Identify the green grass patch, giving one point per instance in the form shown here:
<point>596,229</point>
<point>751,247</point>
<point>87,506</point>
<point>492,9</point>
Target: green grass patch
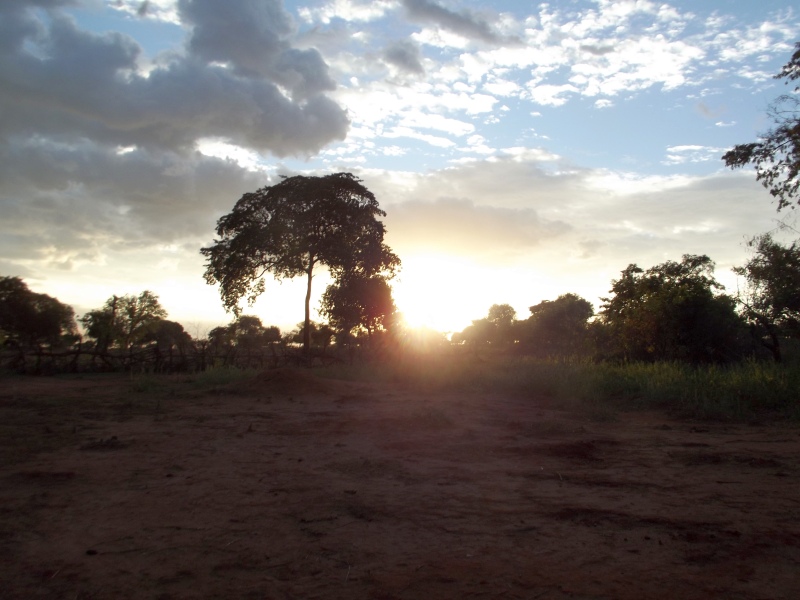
<point>740,392</point>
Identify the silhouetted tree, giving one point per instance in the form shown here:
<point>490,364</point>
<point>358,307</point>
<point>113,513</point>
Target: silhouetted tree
<point>502,318</point>
<point>169,338</point>
<point>671,312</point>
<point>319,334</point>
<point>498,327</point>
<point>291,227</point>
<point>776,156</point>
<point>559,327</point>
<point>123,320</point>
<point>771,299</point>
<point>30,319</point>
<point>358,302</point>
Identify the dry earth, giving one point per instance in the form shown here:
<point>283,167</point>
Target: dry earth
<point>288,486</point>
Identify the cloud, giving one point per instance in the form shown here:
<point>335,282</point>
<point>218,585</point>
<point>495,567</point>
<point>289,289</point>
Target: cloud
<point>59,80</point>
<point>348,10</point>
<point>405,55</point>
<point>461,227</point>
<point>573,229</point>
<point>74,202</point>
<point>464,23</point>
<point>254,37</point>
<point>677,155</point>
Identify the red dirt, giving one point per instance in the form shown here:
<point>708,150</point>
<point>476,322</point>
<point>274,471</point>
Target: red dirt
<point>287,486</point>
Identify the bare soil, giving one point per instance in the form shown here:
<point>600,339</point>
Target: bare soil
<point>289,486</point>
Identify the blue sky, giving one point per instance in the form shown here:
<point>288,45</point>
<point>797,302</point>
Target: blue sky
<point>521,150</point>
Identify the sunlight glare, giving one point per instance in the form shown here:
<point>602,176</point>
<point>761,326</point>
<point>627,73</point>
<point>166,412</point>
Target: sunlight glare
<point>442,292</point>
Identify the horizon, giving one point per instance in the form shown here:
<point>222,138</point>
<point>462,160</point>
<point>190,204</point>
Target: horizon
<point>520,153</point>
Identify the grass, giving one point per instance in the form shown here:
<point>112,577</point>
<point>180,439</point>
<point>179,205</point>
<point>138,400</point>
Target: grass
<point>742,392</point>
<point>210,380</point>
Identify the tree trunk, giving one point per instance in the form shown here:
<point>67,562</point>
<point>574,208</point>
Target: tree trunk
<point>307,322</point>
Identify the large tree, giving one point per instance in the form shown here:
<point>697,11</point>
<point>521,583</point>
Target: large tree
<point>776,156</point>
<point>29,319</point>
<point>289,228</point>
<point>672,311</point>
<point>771,297</point>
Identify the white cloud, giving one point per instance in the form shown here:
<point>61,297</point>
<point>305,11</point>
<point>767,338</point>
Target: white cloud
<point>677,155</point>
<point>408,132</point>
<point>421,120</point>
<point>348,10</point>
<point>551,95</point>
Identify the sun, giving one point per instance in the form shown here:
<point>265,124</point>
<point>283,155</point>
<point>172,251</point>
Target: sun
<point>439,292</point>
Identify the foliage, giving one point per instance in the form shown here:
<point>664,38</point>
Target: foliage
<point>319,334</point>
<point>123,321</point>
<point>166,335</point>
<point>498,327</point>
<point>288,228</point>
<point>558,327</point>
<point>771,299</point>
<point>359,302</point>
<point>671,312</point>
<point>776,156</point>
<point>242,341</point>
<point>29,319</point>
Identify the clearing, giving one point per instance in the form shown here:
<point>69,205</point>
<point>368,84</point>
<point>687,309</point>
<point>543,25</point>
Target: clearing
<point>291,486</point>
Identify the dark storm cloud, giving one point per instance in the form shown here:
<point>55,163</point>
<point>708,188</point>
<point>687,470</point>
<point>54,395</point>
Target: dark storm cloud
<point>405,55</point>
<point>462,23</point>
<point>59,80</point>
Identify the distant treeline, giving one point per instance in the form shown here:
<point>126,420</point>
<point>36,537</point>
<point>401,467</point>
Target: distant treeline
<point>674,311</point>
<point>40,335</point>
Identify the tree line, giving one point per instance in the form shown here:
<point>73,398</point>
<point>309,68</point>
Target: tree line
<point>40,334</point>
<point>674,311</point>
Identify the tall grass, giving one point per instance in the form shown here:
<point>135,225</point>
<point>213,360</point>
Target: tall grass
<point>740,392</point>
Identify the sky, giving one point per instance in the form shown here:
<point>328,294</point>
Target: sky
<point>521,150</point>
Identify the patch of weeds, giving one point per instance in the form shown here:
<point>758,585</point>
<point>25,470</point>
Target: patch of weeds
<point>214,378</point>
<point>147,383</point>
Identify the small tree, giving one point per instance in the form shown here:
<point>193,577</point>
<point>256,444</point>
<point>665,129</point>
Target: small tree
<point>123,321</point>
<point>358,302</point>
<point>319,335</point>
<point>559,327</point>
<point>290,228</point>
<point>502,318</point>
<point>776,156</point>
<point>168,337</point>
<point>771,299</point>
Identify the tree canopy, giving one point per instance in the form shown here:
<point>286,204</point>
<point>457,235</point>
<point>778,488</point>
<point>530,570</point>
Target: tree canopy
<point>672,311</point>
<point>28,318</point>
<point>123,321</point>
<point>558,327</point>
<point>776,156</point>
<point>358,302</point>
<point>289,228</point>
<point>771,298</point>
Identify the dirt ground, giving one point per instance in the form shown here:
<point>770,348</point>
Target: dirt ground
<point>289,486</point>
